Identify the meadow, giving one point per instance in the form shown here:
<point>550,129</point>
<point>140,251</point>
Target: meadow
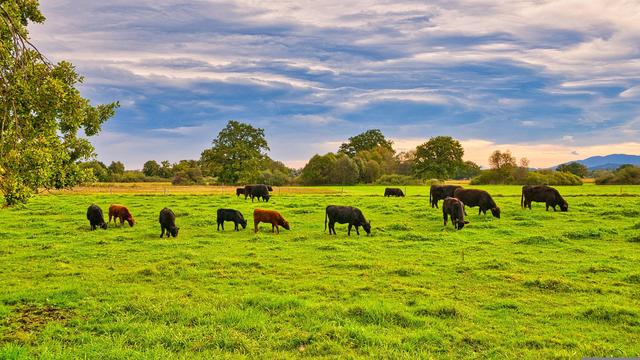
<point>533,284</point>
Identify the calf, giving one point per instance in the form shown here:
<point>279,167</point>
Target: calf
<point>542,193</point>
<point>440,192</point>
<point>479,198</point>
<point>454,208</point>
<point>95,217</point>
<point>345,215</point>
<point>230,215</point>
<point>122,213</point>
<point>269,216</point>
<point>260,191</point>
<point>239,191</point>
<point>168,222</point>
<point>393,192</point>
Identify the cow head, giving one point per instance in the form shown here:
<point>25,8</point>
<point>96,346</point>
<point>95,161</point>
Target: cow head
<point>130,220</point>
<point>104,225</point>
<point>496,212</point>
<point>174,231</point>
<point>243,223</point>
<point>285,224</point>
<point>266,198</point>
<point>564,206</point>
<point>367,227</point>
<point>461,224</point>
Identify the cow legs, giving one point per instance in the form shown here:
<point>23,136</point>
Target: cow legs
<point>255,226</point>
<point>349,230</point>
<point>357,231</point>
<point>162,233</point>
<point>235,226</point>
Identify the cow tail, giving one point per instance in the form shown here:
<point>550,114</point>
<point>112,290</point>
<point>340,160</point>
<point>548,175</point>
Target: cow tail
<point>430,203</point>
<point>522,198</point>
<point>325,221</point>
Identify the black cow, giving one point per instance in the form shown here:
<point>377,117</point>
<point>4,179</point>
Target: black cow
<point>230,215</point>
<point>95,217</point>
<point>167,221</point>
<point>479,198</point>
<point>260,192</point>
<point>542,193</point>
<point>247,191</point>
<point>269,188</point>
<point>454,208</point>
<point>345,215</point>
<point>440,192</point>
<point>393,192</point>
<point>239,191</point>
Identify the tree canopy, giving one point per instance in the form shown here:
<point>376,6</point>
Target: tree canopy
<point>368,140</point>
<point>237,153</point>
<point>575,168</point>
<point>41,112</point>
<point>438,158</point>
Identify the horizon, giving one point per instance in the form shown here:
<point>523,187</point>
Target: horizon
<point>553,82</point>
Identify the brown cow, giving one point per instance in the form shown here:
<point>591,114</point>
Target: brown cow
<point>269,216</point>
<point>120,212</point>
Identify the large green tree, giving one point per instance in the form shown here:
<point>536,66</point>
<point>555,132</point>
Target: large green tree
<point>237,153</point>
<point>575,168</point>
<point>151,168</point>
<point>368,140</point>
<point>438,158</point>
<point>41,112</point>
<point>318,170</point>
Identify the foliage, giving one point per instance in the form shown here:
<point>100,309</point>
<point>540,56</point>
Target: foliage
<point>624,175</point>
<point>575,168</point>
<point>318,170</point>
<point>467,170</point>
<point>344,171</point>
<point>152,168</point>
<point>116,168</point>
<point>440,157</point>
<point>41,112</point>
<point>368,140</point>
<point>396,179</point>
<point>236,154</point>
<point>541,177</point>
<point>188,176</point>
<point>99,170</point>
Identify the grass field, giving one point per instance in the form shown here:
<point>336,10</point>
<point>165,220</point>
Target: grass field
<point>532,284</point>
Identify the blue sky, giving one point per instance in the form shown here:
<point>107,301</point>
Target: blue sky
<point>551,81</point>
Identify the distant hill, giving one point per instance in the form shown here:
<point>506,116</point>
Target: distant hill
<point>607,162</point>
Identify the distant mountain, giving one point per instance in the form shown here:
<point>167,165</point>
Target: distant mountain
<point>607,162</point>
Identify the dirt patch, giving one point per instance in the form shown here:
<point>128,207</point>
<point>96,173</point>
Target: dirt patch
<point>27,320</point>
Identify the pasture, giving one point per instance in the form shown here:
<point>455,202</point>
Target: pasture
<point>532,284</point>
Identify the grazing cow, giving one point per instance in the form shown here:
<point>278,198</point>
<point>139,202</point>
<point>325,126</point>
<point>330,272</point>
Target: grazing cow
<point>440,192</point>
<point>239,191</point>
<point>454,208</point>
<point>230,215</point>
<point>95,217</point>
<point>393,192</point>
<point>479,198</point>
<point>345,215</point>
<point>168,222</point>
<point>122,213</point>
<point>260,191</point>
<point>542,193</point>
<point>269,216</point>
<point>247,191</point>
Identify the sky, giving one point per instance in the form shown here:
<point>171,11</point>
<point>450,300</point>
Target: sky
<point>552,81</point>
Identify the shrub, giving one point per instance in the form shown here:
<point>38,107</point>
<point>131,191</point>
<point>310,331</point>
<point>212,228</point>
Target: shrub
<point>546,177</point>
<point>395,179</point>
<point>624,175</point>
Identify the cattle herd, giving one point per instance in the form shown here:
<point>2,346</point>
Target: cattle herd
<point>454,197</point>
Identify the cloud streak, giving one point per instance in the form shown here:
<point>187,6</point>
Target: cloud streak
<point>521,74</point>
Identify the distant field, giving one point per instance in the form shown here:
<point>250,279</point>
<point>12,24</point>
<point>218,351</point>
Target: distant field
<point>533,284</point>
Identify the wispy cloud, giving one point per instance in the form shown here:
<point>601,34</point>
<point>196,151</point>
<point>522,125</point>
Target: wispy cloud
<point>310,73</point>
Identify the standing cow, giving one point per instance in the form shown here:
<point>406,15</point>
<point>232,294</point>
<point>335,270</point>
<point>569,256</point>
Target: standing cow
<point>479,198</point>
<point>167,221</point>
<point>122,213</point>
<point>454,208</point>
<point>260,192</point>
<point>393,192</point>
<point>230,215</point>
<point>239,191</point>
<point>95,217</point>
<point>269,216</point>
<point>440,192</point>
<point>345,215</point>
<point>542,193</point>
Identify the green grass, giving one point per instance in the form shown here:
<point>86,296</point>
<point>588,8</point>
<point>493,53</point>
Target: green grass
<point>533,284</point>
